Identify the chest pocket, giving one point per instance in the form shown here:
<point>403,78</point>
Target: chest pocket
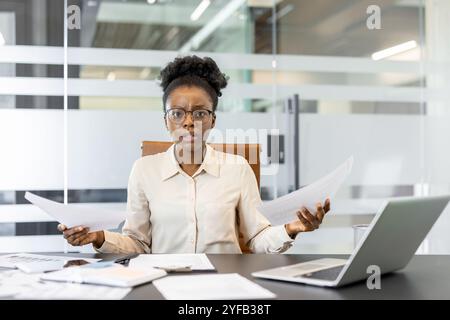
<point>219,222</point>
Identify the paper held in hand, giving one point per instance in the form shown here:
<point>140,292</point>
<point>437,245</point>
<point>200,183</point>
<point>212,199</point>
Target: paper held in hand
<point>75,215</point>
<point>283,210</point>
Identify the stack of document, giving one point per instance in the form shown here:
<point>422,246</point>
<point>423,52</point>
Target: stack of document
<point>283,210</point>
<point>73,291</point>
<point>112,275</point>
<point>19,285</point>
<point>31,263</point>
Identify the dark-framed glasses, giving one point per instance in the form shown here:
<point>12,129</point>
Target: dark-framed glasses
<point>178,115</point>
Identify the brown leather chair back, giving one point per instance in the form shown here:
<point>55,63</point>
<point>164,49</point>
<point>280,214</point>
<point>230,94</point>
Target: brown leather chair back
<point>248,151</point>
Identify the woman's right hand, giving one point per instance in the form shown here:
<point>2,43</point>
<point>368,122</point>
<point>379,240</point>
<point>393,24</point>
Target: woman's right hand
<point>80,236</point>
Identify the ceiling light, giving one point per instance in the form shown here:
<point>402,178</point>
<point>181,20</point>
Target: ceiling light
<point>212,25</point>
<point>281,13</point>
<point>200,9</point>
<point>389,52</point>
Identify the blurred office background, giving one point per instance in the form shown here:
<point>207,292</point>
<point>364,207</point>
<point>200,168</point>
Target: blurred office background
<point>75,105</point>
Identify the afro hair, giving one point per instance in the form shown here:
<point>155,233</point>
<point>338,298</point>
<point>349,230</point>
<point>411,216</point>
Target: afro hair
<point>193,71</point>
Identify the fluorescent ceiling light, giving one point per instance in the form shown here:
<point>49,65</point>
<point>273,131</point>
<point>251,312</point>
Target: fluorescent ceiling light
<point>2,40</point>
<point>389,52</point>
<point>151,1</point>
<point>410,3</point>
<point>212,25</point>
<point>280,14</point>
<point>200,9</point>
<point>262,3</point>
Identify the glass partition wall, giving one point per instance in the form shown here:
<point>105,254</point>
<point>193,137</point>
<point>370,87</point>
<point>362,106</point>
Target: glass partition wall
<point>31,121</point>
<point>312,82</point>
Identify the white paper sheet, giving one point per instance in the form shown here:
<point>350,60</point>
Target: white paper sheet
<point>226,286</point>
<point>194,261</point>
<point>10,260</point>
<point>283,210</point>
<point>73,291</point>
<point>18,285</point>
<point>72,215</point>
<point>12,282</point>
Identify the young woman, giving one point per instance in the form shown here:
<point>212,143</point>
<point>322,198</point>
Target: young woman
<point>192,198</point>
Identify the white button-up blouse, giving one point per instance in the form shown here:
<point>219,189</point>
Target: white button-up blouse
<point>169,211</point>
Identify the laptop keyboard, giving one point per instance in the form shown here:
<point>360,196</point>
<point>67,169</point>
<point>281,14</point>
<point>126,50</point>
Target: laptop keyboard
<point>330,274</point>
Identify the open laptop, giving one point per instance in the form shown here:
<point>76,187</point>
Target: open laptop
<point>390,242</point>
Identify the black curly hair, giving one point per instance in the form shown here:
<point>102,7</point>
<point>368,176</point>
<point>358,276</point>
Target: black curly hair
<point>193,71</point>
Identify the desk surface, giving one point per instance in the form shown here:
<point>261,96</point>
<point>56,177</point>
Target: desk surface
<point>425,277</point>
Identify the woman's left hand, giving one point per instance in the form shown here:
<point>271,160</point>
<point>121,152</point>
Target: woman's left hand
<point>306,220</point>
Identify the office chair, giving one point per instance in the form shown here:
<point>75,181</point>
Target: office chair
<point>248,151</point>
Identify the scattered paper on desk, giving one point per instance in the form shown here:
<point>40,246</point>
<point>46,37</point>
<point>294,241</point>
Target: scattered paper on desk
<point>226,286</point>
<point>283,210</point>
<point>74,215</point>
<point>12,282</point>
<point>73,291</point>
<point>10,260</point>
<point>109,274</point>
<point>18,285</point>
<point>194,261</point>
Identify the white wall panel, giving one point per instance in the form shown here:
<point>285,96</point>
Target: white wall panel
<point>386,148</point>
<point>437,148</point>
<point>102,145</point>
<point>31,148</point>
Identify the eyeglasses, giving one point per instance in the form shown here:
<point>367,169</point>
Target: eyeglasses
<point>178,115</point>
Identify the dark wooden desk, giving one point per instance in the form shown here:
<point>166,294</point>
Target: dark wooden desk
<point>426,277</point>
